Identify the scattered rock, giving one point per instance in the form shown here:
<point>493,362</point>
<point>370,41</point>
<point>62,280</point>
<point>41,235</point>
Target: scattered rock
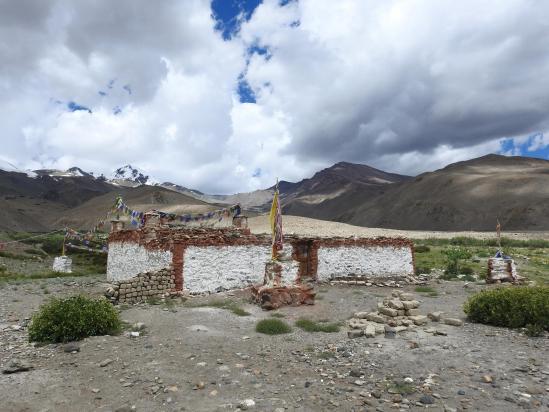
<point>453,321</point>
<point>356,373</point>
<point>435,316</point>
<point>427,399</point>
<point>199,385</point>
<point>419,320</point>
<point>370,331</point>
<point>71,347</point>
<point>16,365</point>
<point>246,404</point>
<point>105,362</point>
<point>355,333</point>
<point>487,379</point>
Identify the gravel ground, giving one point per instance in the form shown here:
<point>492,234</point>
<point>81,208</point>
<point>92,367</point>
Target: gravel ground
<point>312,227</point>
<point>209,359</point>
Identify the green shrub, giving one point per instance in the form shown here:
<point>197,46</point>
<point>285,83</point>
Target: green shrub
<point>453,257</point>
<point>422,249</point>
<point>512,307</point>
<point>272,327</point>
<point>311,326</point>
<point>73,318</point>
<point>466,270</point>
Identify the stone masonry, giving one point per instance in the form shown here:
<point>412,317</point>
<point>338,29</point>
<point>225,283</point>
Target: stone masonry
<point>142,287</point>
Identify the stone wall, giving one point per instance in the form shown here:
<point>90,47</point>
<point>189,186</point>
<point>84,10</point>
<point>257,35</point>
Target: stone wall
<point>143,286</point>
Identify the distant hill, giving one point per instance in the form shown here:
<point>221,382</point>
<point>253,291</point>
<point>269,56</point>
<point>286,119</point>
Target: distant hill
<point>333,191</point>
<point>467,195</point>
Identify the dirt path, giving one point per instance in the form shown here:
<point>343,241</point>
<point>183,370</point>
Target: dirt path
<point>208,359</point>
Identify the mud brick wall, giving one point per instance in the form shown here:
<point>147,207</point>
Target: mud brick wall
<point>212,260</point>
<point>144,286</point>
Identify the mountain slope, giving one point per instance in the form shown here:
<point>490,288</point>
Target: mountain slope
<point>332,191</point>
<point>467,195</point>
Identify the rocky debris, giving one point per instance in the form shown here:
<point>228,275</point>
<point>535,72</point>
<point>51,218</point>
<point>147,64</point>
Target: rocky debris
<point>105,362</point>
<point>453,321</point>
<point>16,365</point>
<point>270,298</point>
<point>395,314</point>
<point>246,404</point>
<point>435,316</point>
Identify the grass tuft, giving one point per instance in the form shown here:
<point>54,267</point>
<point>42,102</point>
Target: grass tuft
<point>311,326</point>
<point>272,327</point>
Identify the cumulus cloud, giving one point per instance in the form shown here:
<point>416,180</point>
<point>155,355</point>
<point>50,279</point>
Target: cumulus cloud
<point>403,86</point>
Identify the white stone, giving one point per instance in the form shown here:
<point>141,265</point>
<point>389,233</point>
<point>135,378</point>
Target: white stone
<point>371,261</point>
<point>62,264</point>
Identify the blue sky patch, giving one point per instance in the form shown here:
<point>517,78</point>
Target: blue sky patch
<point>245,92</point>
<point>257,172</point>
<point>229,14</point>
<point>535,145</point>
<point>75,107</point>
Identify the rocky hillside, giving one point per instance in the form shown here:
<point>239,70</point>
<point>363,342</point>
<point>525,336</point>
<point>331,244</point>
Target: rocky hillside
<point>467,195</point>
<point>333,191</point>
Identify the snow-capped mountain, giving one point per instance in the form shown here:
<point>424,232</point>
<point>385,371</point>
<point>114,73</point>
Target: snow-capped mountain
<point>72,172</point>
<point>130,176</point>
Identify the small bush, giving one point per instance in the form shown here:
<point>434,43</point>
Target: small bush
<point>512,307</point>
<point>454,256</point>
<point>277,315</point>
<point>311,326</point>
<point>272,327</point>
<point>73,318</point>
<point>422,249</point>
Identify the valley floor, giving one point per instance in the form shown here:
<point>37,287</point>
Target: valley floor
<point>193,356</point>
<point>304,226</point>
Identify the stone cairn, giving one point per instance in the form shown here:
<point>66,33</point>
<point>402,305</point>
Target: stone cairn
<point>142,287</point>
<point>395,314</point>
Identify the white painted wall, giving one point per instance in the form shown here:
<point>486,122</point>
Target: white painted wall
<point>372,261</point>
<point>217,268</point>
<point>127,259</point>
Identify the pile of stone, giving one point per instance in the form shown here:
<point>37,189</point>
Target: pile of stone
<point>142,287</point>
<point>397,313</point>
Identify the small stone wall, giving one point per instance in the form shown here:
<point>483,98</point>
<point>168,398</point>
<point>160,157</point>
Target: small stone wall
<point>142,287</point>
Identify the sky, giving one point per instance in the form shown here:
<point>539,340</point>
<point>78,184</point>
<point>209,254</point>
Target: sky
<point>225,96</point>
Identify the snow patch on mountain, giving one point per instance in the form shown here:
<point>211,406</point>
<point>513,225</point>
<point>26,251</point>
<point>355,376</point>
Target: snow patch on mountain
<point>132,175</point>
